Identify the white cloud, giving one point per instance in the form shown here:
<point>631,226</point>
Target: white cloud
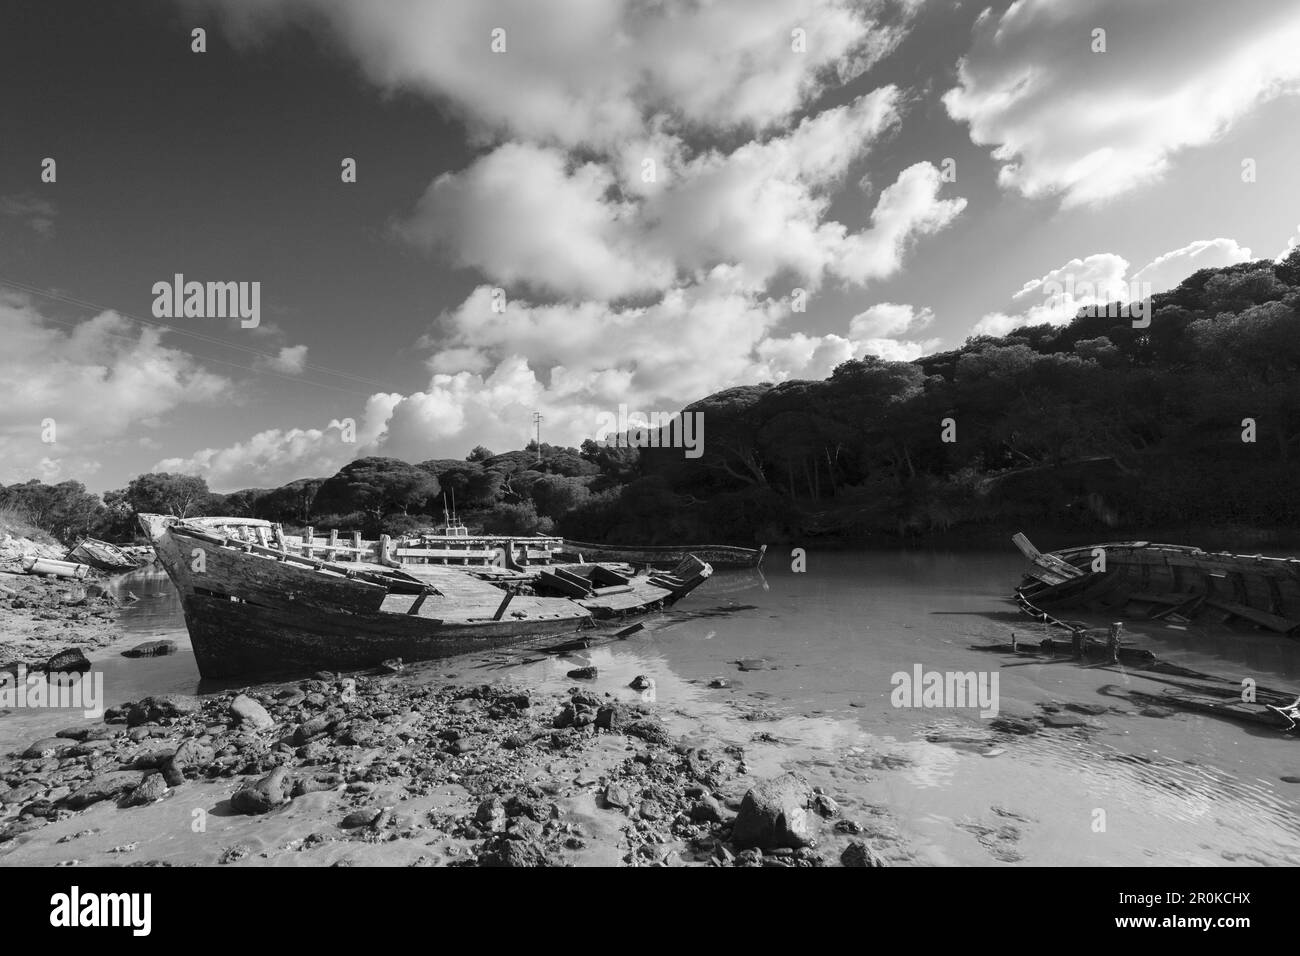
<point>1167,271</point>
<point>1055,298</point>
<point>524,214</point>
<point>1177,74</point>
<point>290,360</point>
<point>598,72</point>
<point>94,381</point>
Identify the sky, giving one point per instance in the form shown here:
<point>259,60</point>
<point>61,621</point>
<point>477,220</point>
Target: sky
<point>568,207</point>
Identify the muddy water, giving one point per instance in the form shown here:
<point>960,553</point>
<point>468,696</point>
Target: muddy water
<point>821,647</point>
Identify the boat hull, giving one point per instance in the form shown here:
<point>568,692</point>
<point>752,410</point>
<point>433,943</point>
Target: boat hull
<point>1175,583</point>
<point>232,638</point>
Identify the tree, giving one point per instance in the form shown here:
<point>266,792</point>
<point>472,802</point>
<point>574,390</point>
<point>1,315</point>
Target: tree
<point>480,453</point>
<point>65,510</point>
<point>164,493</point>
<point>377,487</point>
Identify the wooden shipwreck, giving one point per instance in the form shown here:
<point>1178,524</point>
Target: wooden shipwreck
<point>102,556</point>
<point>254,603</point>
<point>1172,583</point>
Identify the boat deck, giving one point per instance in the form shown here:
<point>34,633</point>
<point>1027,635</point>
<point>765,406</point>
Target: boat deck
<point>464,597</point>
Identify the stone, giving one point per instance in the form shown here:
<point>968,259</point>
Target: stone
<point>775,814</point>
<point>249,713</point>
<point>106,786</point>
<point>490,815</point>
<point>152,789</point>
<point>360,818</point>
<point>151,649</point>
<point>583,673</point>
<point>265,795</point>
<point>825,806</point>
<point>617,796</point>
<point>47,747</point>
<point>152,709</point>
<point>858,853</point>
<point>71,661</point>
<point>641,682</point>
<point>707,810</point>
<point>650,730</point>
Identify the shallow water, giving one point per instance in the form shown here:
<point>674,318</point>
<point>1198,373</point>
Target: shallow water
<point>1133,789</point>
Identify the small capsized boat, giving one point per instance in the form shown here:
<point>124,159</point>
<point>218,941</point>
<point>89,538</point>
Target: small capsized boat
<point>1172,583</point>
<point>666,558</point>
<point>253,604</point>
<point>102,556</point>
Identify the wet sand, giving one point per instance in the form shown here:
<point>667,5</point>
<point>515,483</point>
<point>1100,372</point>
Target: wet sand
<point>918,785</point>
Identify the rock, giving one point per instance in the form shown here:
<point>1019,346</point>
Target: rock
<point>71,661</point>
<point>503,851</point>
<point>490,815</point>
<point>858,853</point>
<point>719,683</point>
<point>152,789</point>
<point>775,814</point>
<point>249,713</point>
<point>360,818</point>
<point>153,709</point>
<point>1014,725</point>
<point>641,682</point>
<point>310,729</point>
<point>317,782</point>
<point>617,796</point>
<point>104,787</point>
<point>47,747</point>
<point>190,760</point>
<point>650,730</point>
<point>264,795</point>
<point>151,649</point>
<point>649,810</point>
<point>825,806</point>
<point>614,717</point>
<point>583,673</point>
<point>752,664</point>
<point>707,810</point>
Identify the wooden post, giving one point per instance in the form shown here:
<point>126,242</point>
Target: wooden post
<point>277,534</point>
<point>382,550</point>
<point>1113,640</point>
<point>356,545</point>
<point>1013,642</point>
<point>1076,643</point>
<point>332,554</point>
<point>262,538</point>
<point>308,541</point>
<point>505,603</point>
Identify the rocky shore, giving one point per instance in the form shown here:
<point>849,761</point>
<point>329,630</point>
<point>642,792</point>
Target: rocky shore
<point>388,770</point>
<point>49,618</point>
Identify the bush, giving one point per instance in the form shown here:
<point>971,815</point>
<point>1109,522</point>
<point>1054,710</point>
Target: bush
<point>518,519</point>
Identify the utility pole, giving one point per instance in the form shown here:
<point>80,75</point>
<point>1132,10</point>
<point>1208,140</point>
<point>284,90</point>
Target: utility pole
<point>537,421</point>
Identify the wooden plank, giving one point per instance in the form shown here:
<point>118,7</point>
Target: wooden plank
<point>1270,621</point>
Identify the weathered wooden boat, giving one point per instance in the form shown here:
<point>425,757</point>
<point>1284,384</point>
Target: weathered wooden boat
<point>450,544</point>
<point>717,555</point>
<point>1171,583</point>
<point>102,556</point>
<point>257,607</point>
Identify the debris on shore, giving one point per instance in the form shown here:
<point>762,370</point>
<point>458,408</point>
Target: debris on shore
<point>534,780</point>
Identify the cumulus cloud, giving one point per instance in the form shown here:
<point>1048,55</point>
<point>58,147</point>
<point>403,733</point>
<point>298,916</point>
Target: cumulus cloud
<point>1168,270</point>
<point>595,73</point>
<point>1176,74</point>
<point>93,381</point>
<point>290,360</point>
<point>524,214</point>
<point>1103,278</point>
